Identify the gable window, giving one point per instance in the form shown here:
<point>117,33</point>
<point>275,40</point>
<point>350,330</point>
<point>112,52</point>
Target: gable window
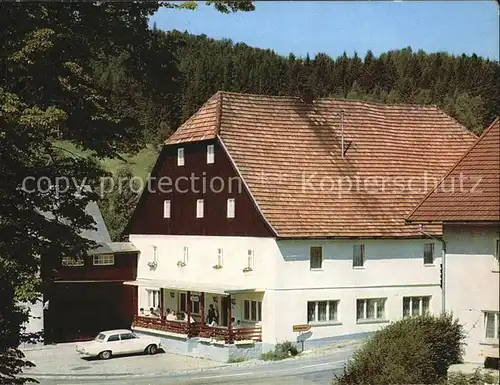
<point>358,255</point>
<point>322,311</point>
<point>186,254</point>
<point>230,208</point>
<point>166,209</point>
<point>220,257</point>
<point>71,262</point>
<point>428,253</point>
<point>250,259</point>
<point>316,257</point>
<point>199,208</point>
<point>195,305</point>
<point>252,310</point>
<point>104,260</point>
<point>153,298</point>
<point>180,156</point>
<point>370,309</point>
<point>415,306</point>
<point>210,154</point>
<point>491,325</point>
<point>496,261</point>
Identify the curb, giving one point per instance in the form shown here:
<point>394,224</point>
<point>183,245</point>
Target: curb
<point>117,376</point>
<point>121,376</point>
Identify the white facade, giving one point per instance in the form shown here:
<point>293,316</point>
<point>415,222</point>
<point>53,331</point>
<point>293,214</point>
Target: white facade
<point>284,282</point>
<point>472,284</point>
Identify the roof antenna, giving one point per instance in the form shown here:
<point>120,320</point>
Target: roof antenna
<point>342,130</point>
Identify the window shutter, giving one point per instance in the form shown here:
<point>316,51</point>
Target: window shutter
<point>166,208</point>
<point>230,208</point>
<point>180,156</point>
<point>210,154</point>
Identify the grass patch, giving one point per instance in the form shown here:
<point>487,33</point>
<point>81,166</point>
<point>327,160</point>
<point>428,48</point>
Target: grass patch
<point>140,163</point>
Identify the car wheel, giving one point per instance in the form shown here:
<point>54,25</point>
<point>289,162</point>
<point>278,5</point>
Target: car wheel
<point>105,355</point>
<point>152,349</point>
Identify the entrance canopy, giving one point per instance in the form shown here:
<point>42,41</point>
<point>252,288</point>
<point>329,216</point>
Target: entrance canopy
<point>191,286</point>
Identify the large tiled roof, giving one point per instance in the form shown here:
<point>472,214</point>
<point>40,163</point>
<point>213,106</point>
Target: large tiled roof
<point>289,154</point>
<point>471,189</point>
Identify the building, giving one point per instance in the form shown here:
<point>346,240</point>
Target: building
<point>81,297</point>
<point>282,212</point>
<point>467,202</point>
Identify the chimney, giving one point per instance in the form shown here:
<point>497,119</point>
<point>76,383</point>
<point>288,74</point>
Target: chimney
<point>307,97</point>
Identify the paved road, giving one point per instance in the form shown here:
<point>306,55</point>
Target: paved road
<point>305,370</point>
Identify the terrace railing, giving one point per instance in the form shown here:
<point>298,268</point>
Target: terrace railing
<point>219,333</point>
<point>222,333</point>
<point>179,327</point>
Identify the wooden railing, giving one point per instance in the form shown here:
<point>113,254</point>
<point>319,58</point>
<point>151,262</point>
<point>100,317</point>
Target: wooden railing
<point>179,327</point>
<point>219,333</point>
<point>238,334</point>
<point>254,334</point>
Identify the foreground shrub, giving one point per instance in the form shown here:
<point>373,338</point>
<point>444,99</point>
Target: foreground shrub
<point>281,351</point>
<point>479,377</point>
<point>416,350</point>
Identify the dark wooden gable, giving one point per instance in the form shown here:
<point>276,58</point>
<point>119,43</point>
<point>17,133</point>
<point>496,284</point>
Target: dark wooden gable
<point>183,185</point>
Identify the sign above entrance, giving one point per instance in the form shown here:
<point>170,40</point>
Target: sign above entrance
<point>301,328</point>
<point>195,298</point>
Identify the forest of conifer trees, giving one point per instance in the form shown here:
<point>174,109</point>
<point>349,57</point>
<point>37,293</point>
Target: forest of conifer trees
<point>181,71</point>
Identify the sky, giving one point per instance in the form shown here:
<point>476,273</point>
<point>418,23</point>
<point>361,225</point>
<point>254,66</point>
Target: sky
<point>333,27</point>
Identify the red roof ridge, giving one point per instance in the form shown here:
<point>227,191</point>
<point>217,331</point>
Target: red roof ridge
<point>331,98</point>
<point>485,132</point>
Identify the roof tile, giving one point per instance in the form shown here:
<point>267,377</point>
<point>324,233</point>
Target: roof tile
<point>470,191</point>
<point>289,154</point>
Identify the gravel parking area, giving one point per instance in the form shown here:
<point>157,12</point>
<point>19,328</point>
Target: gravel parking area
<point>62,359</point>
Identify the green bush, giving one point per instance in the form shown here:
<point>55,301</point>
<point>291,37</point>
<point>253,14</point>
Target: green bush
<point>410,351</point>
<point>477,378</point>
<point>234,360</point>
<point>281,351</point>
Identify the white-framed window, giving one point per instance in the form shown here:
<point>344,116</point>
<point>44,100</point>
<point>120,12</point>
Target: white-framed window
<point>186,254</point>
<point>252,310</point>
<point>491,325</point>
<point>230,208</point>
<point>104,259</point>
<point>496,260</point>
<point>199,208</point>
<point>153,298</point>
<point>166,208</point>
<point>210,154</point>
<point>315,257</point>
<point>220,256</point>
<point>415,306</point>
<point>370,309</point>
<point>358,255</point>
<point>428,253</point>
<point>250,259</point>
<point>322,311</point>
<point>180,156</point>
<point>195,305</point>
<point>71,262</point>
